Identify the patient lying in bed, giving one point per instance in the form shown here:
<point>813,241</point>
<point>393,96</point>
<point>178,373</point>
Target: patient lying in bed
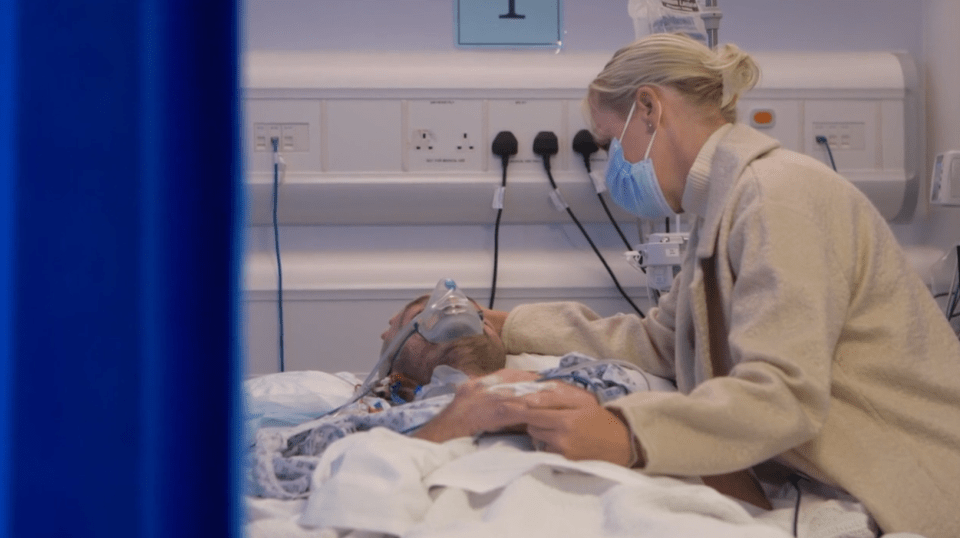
<point>422,382</point>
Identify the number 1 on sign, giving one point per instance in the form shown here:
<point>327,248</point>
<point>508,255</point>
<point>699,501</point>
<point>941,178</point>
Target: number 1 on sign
<point>513,12</point>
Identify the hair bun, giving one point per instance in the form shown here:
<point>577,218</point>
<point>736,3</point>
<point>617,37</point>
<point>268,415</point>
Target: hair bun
<point>738,70</point>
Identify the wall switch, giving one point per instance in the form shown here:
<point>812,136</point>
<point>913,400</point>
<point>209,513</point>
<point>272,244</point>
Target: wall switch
<point>842,135</point>
<point>852,127</point>
<point>294,123</point>
<point>291,137</point>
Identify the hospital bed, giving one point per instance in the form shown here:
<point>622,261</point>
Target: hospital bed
<point>383,483</point>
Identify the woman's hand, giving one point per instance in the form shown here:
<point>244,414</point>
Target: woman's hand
<point>496,319</point>
<point>477,409</point>
<point>560,418</point>
<point>568,420</point>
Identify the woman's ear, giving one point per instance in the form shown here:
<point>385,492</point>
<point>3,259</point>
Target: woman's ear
<point>647,104</point>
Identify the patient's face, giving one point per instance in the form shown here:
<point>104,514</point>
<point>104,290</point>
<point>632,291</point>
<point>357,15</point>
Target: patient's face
<point>416,345</point>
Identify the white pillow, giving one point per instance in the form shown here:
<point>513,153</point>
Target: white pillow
<point>291,398</point>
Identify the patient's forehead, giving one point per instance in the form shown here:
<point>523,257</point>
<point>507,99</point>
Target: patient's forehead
<point>411,312</point>
<point>401,318</point>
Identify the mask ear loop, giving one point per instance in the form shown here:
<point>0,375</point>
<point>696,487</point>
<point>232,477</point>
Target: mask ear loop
<point>633,108</point>
<point>652,138</point>
<point>650,145</point>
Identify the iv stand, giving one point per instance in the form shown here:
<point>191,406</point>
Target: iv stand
<point>711,15</point>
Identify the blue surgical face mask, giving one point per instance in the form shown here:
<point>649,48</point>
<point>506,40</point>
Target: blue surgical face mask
<point>634,186</point>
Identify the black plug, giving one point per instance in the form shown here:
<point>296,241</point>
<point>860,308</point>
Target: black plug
<point>546,144</point>
<point>505,145</point>
<point>585,145</point>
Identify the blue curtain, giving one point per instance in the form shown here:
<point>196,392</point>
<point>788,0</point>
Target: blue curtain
<point>120,267</point>
<point>7,174</point>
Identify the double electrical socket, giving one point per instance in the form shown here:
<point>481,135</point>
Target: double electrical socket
<point>443,134</point>
<point>456,134</point>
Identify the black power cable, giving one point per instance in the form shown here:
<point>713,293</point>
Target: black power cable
<point>795,479</point>
<point>585,145</point>
<point>546,145</point>
<point>504,146</point>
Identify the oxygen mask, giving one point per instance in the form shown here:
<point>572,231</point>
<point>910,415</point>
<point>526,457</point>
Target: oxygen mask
<point>447,315</point>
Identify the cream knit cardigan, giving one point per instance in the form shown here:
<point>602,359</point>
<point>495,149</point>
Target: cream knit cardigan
<point>796,331</point>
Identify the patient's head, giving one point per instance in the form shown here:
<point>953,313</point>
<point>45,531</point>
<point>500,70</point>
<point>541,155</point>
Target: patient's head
<point>473,355</point>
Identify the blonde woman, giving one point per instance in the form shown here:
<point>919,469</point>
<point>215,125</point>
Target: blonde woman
<point>796,331</point>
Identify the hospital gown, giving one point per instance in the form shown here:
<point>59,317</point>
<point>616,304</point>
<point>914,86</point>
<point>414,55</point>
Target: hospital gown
<point>284,459</point>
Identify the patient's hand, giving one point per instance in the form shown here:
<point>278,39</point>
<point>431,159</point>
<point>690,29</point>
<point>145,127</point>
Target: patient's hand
<point>562,419</point>
<point>479,407</point>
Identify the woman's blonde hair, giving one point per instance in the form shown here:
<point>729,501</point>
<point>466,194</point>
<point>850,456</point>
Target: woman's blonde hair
<point>712,79</point>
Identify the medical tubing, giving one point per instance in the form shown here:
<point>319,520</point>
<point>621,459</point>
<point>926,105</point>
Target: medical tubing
<point>275,142</point>
<point>584,144</point>
<point>367,386</point>
<point>504,146</point>
<point>545,145</point>
<point>826,143</point>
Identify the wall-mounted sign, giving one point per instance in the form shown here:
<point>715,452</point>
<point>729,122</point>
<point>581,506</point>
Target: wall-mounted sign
<point>507,23</point>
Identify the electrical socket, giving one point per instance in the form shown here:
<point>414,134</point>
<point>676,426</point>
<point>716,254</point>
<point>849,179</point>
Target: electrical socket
<point>525,118</point>
<point>465,144</point>
<point>422,140</point>
<point>442,134</point>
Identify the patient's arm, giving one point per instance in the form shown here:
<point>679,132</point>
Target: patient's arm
<point>566,419</point>
<point>475,409</point>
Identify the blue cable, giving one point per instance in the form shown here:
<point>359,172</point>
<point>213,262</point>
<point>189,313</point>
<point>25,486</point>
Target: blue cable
<point>276,242</point>
<point>826,143</point>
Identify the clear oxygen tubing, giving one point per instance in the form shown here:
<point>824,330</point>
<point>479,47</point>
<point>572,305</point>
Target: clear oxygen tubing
<point>447,315</point>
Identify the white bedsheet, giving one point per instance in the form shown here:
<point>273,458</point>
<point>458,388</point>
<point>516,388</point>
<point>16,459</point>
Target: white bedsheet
<point>380,483</point>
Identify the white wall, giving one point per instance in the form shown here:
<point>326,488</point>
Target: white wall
<point>923,28</point>
<point>598,25</point>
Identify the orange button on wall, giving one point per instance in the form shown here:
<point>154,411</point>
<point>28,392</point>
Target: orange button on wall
<point>762,118</point>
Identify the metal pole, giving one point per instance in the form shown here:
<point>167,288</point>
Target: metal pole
<point>711,20</point>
